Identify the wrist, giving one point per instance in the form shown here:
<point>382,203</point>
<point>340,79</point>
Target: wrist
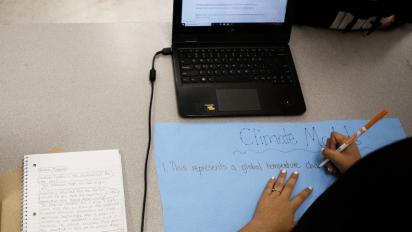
<point>251,226</point>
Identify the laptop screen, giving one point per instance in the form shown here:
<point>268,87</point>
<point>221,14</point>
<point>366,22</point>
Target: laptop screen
<point>204,13</point>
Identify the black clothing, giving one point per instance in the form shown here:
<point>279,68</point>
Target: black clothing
<point>373,195</point>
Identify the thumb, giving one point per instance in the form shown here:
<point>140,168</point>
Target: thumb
<point>333,156</point>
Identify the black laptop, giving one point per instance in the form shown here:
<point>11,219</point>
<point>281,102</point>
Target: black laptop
<point>232,58</point>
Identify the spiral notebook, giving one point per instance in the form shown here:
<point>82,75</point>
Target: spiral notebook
<point>76,191</point>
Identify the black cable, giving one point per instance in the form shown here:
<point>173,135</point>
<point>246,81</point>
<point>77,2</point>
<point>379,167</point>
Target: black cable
<point>152,79</point>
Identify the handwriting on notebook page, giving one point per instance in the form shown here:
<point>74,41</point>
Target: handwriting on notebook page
<point>78,200</point>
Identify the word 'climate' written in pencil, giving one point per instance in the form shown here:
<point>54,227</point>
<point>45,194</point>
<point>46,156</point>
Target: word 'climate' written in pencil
<point>256,137</point>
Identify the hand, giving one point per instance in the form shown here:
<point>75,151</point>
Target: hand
<point>341,161</point>
<point>275,210</point>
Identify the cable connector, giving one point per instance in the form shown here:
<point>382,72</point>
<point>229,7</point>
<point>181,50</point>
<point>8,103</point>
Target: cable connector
<point>167,51</point>
<point>152,74</point>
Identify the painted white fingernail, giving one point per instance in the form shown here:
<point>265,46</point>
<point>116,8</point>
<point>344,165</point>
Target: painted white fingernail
<point>322,149</point>
<point>272,178</point>
<point>283,171</point>
<point>296,172</point>
<point>310,188</point>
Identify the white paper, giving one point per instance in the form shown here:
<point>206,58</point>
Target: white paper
<point>78,191</point>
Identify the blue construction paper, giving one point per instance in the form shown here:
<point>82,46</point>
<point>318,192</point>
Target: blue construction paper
<point>211,175</point>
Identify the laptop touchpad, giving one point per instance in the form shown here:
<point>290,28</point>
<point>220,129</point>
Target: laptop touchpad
<point>238,99</point>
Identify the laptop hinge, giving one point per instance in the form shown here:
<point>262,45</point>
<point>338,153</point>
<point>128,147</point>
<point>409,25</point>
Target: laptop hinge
<point>192,42</point>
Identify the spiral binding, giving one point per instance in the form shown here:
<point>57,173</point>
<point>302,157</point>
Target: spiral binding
<point>24,195</point>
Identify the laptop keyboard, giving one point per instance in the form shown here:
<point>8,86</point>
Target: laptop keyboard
<point>208,65</point>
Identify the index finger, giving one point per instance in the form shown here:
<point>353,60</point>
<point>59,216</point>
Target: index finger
<point>336,139</point>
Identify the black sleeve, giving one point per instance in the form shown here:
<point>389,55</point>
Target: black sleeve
<point>373,195</point>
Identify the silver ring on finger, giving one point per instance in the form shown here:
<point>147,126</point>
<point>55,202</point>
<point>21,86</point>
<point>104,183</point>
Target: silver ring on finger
<point>277,188</point>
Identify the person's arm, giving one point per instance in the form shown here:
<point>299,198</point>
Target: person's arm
<point>340,161</point>
<point>275,210</point>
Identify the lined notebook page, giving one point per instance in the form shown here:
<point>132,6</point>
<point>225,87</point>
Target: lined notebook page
<point>77,191</point>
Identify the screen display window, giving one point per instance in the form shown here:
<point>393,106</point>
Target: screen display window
<point>230,12</point>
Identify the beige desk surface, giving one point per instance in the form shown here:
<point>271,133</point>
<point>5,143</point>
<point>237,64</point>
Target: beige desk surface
<point>85,87</point>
